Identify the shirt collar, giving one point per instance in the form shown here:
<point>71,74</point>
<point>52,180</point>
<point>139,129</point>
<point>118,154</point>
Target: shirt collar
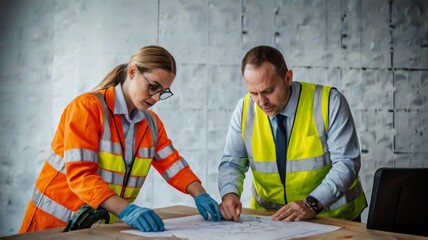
<point>290,109</point>
<point>121,108</point>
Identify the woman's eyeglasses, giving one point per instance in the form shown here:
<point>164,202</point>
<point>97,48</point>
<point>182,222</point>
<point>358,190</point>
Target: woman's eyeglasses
<point>156,88</point>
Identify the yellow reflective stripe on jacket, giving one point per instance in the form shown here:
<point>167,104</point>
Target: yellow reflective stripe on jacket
<point>111,162</point>
<point>130,193</point>
<point>141,166</point>
<point>50,206</point>
<point>114,162</point>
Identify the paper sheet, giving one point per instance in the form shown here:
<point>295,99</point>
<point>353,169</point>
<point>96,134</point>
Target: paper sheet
<point>250,227</point>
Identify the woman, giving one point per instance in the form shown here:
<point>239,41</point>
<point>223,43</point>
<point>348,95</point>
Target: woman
<point>104,146</point>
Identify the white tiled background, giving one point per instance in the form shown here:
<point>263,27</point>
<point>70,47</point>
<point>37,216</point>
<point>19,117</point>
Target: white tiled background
<point>375,52</point>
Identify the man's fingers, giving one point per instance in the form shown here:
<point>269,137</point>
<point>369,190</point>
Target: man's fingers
<point>229,212</point>
<point>225,212</point>
<point>238,213</point>
<point>281,213</point>
<point>293,212</point>
<point>233,212</point>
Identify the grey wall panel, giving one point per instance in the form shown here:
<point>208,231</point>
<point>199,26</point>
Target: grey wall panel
<point>374,52</point>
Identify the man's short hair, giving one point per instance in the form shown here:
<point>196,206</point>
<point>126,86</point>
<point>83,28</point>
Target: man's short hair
<point>260,54</point>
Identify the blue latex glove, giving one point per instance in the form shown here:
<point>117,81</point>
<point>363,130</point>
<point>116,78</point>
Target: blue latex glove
<point>145,219</point>
<point>205,203</point>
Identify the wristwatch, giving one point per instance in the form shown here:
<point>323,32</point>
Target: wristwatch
<point>313,203</point>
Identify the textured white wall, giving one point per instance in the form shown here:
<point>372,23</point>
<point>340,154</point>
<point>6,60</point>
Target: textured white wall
<point>375,52</point>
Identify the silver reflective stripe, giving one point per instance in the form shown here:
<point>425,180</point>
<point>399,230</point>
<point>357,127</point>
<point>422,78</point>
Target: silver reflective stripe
<point>111,177</point>
<point>319,120</point>
<point>117,178</point>
<point>75,155</point>
<point>50,206</point>
<point>307,164</point>
<point>249,124</point>
<point>56,161</point>
<point>153,126</point>
<point>349,196</point>
<point>107,133</point>
<point>136,182</point>
<point>164,153</point>
<point>264,167</point>
<point>174,169</point>
<point>110,147</point>
<point>129,144</point>
<point>106,145</point>
<point>265,204</point>
<point>147,152</point>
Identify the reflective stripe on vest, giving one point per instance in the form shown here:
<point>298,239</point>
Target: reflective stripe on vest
<point>112,167</point>
<point>308,160</point>
<point>295,166</point>
<point>153,127</point>
<point>50,206</point>
<point>109,146</point>
<point>117,178</point>
<point>353,193</point>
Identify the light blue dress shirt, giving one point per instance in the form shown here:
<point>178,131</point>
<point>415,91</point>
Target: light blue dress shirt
<point>342,144</point>
<point>128,121</point>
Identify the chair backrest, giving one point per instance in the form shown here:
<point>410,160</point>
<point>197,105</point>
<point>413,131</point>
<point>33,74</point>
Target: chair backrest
<point>399,201</point>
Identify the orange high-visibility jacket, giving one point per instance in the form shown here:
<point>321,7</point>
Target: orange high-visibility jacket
<point>87,165</point>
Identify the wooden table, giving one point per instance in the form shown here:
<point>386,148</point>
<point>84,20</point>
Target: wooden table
<point>349,230</point>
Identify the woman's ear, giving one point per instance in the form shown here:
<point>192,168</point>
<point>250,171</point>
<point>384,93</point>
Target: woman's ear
<point>131,72</point>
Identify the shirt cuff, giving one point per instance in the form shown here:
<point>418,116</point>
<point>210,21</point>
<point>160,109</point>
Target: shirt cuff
<point>229,189</point>
<point>323,195</point>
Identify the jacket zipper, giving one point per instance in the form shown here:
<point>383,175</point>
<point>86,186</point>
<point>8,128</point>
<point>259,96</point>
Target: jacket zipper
<point>129,167</point>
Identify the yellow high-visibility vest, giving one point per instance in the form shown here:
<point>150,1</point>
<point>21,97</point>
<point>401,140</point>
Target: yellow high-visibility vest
<point>308,159</point>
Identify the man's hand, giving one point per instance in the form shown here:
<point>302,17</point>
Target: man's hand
<point>231,207</point>
<point>294,211</point>
<point>145,219</point>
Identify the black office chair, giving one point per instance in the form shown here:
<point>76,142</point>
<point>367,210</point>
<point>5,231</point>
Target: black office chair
<point>399,201</point>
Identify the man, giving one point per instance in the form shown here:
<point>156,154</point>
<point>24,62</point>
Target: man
<point>299,140</point>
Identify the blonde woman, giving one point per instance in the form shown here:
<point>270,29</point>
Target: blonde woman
<point>104,146</point>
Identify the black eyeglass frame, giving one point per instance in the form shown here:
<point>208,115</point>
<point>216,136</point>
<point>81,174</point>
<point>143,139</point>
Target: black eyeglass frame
<point>164,92</point>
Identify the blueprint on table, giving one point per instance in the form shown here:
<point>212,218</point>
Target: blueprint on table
<point>249,227</point>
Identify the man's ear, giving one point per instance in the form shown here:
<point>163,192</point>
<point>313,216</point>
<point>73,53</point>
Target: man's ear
<point>288,77</point>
